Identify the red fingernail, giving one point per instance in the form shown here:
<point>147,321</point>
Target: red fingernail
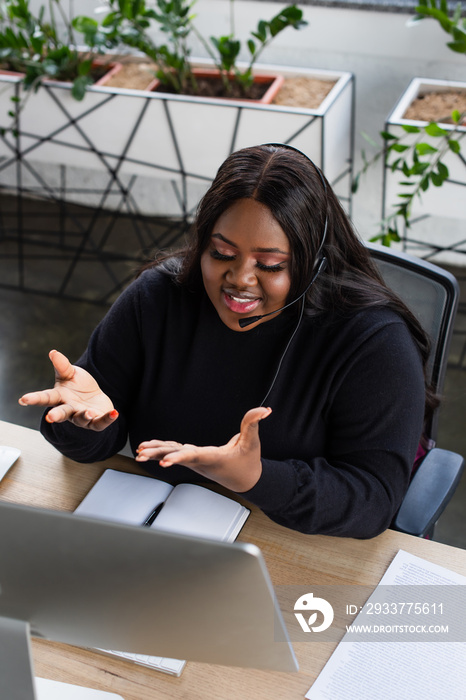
<point>48,419</point>
<point>113,414</point>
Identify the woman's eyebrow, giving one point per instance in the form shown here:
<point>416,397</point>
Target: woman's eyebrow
<point>254,250</point>
<point>225,240</point>
<point>270,250</point>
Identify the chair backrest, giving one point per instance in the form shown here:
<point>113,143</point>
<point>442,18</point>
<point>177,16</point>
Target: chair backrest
<point>432,294</point>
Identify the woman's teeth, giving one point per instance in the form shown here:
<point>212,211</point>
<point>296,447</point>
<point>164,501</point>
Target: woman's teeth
<point>241,300</point>
<point>241,304</point>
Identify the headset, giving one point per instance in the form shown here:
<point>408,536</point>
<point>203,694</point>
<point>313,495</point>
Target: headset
<point>320,263</point>
<point>321,260</point>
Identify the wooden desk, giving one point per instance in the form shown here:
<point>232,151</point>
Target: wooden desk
<point>43,477</point>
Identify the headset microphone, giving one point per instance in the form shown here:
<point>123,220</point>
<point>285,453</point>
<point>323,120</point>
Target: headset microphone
<point>244,322</point>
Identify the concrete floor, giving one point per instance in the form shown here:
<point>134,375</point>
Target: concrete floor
<point>32,324</point>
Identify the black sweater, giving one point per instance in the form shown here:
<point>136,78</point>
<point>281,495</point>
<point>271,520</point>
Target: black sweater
<point>348,401</point>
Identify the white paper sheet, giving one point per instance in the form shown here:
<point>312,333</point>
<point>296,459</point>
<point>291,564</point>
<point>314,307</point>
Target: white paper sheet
<point>398,670</point>
<point>55,690</point>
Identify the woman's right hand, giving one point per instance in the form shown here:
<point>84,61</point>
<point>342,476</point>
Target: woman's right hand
<point>76,397</point>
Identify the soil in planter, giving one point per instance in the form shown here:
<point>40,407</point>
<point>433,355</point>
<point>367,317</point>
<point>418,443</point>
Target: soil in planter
<point>437,106</point>
<point>97,72</point>
<point>298,91</point>
<point>214,87</point>
<point>132,75</point>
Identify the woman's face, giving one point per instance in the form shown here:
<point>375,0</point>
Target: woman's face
<point>246,266</point>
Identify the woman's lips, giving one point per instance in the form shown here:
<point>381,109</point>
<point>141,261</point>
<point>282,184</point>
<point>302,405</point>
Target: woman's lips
<point>239,303</point>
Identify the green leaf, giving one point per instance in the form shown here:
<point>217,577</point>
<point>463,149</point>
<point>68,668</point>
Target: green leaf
<point>399,147</point>
<point>442,170</point>
<point>457,46</point>
<point>435,130</point>
<point>425,149</point>
<point>393,234</point>
<point>37,43</point>
<point>84,24</point>
<point>113,18</point>
<point>84,68</point>
<point>443,20</point>
<point>292,13</point>
<point>424,184</point>
<point>387,136</point>
<point>261,31</point>
<point>388,237</point>
<point>418,168</point>
<point>454,145</point>
<point>79,87</point>
<point>251,47</point>
<point>456,116</point>
<point>410,129</point>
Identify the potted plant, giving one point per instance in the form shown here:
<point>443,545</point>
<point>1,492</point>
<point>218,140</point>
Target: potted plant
<point>146,153</point>
<point>31,46</point>
<point>129,24</point>
<point>423,156</point>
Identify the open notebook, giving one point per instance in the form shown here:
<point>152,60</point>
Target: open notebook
<point>186,509</point>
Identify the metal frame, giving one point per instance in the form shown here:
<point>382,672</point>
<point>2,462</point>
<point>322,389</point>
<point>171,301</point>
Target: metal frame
<point>424,249</point>
<point>84,236</point>
<point>396,120</point>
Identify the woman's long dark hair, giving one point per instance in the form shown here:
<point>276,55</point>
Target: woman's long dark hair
<point>302,201</point>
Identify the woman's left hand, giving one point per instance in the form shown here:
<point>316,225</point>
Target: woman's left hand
<point>236,465</point>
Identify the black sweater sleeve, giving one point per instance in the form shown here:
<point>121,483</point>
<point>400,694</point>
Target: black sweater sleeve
<point>374,416</point>
<point>114,357</point>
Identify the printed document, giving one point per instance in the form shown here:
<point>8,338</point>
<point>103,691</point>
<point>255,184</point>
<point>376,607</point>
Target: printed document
<point>396,670</point>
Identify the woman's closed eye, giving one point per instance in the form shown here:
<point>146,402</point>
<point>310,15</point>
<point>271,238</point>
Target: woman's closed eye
<point>277,267</point>
<point>217,255</point>
<point>270,268</point>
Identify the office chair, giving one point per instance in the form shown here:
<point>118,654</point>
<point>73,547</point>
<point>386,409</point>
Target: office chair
<point>432,295</point>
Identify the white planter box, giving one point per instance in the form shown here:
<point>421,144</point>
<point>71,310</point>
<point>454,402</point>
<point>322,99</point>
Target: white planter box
<point>438,229</point>
<point>165,148</point>
<point>141,154</point>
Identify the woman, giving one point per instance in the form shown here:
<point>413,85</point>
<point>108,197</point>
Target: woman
<point>335,379</point>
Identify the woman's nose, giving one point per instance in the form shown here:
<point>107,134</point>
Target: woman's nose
<point>242,274</point>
